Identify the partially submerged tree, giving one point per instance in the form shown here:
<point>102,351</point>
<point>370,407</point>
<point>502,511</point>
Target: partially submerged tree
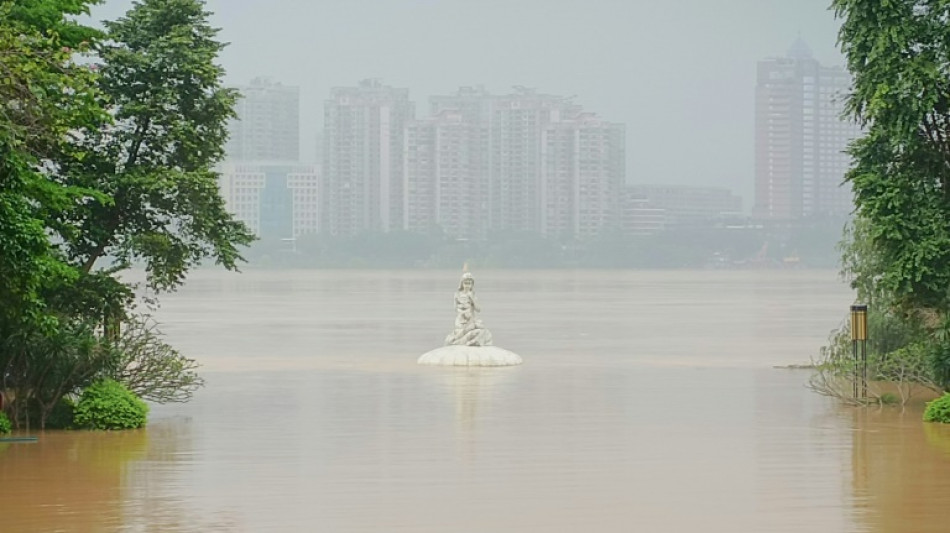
<point>112,161</point>
<point>898,362</point>
<point>151,368</point>
<point>44,95</point>
<point>897,251</point>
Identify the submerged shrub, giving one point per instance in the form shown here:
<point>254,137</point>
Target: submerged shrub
<point>107,404</point>
<point>5,425</point>
<point>889,398</point>
<point>938,410</point>
<point>61,417</point>
<point>900,353</point>
<point>152,369</point>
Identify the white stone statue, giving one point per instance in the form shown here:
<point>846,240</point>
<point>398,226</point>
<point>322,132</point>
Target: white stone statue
<point>469,330</point>
<point>470,344</point>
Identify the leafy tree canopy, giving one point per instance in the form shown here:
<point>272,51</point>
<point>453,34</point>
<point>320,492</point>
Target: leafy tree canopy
<point>898,52</point>
<point>163,87</point>
<point>52,17</point>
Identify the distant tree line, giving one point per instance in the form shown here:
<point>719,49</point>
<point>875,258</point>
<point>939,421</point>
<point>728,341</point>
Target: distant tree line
<point>810,244</point>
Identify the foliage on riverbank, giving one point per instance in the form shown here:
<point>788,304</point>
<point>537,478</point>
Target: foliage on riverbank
<point>938,410</point>
<point>897,252</point>
<point>107,404</point>
<point>899,363</point>
<point>107,144</point>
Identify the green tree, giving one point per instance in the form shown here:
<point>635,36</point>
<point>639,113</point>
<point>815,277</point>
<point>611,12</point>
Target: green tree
<point>899,55</point>
<point>897,251</point>
<point>110,161</point>
<point>163,87</point>
<point>53,18</point>
<point>46,94</point>
<point>861,263</point>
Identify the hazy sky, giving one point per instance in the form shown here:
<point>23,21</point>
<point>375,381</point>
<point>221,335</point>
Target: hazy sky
<point>679,73</point>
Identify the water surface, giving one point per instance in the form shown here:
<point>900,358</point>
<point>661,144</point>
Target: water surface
<point>647,401</point>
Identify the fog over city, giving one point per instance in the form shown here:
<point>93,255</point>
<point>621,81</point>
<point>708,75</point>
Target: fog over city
<point>579,116</point>
<point>624,134</point>
<point>680,74</point>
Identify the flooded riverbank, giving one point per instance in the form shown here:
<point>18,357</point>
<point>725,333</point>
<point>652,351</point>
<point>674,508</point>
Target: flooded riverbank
<point>646,399</point>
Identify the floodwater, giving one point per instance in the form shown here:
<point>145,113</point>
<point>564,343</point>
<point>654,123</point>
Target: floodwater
<point>648,401</point>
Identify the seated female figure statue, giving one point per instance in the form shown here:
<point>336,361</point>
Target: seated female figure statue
<point>469,330</point>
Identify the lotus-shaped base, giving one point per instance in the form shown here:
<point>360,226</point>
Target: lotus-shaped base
<point>470,356</point>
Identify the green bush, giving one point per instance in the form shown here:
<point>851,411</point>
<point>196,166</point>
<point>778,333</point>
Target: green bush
<point>887,333</point>
<point>889,398</point>
<point>938,410</point>
<point>109,405</point>
<point>940,363</point>
<point>61,417</point>
<point>5,425</point>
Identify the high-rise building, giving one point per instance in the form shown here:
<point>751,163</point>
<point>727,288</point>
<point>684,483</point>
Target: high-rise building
<point>446,180</point>
<point>276,200</point>
<point>519,162</point>
<point>518,122</point>
<point>447,172</point>
<point>267,127</point>
<point>364,132</point>
<point>262,181</point>
<point>472,103</point>
<point>800,138</point>
<point>464,126</point>
<point>582,176</point>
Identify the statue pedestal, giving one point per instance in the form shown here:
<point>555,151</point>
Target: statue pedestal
<point>470,356</point>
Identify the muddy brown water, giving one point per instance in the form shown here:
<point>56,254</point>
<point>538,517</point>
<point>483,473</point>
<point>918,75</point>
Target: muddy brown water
<point>648,401</point>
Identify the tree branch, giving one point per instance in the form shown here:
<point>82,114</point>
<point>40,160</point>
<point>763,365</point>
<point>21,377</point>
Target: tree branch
<point>113,225</point>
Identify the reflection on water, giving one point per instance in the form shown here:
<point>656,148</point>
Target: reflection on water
<point>629,413</point>
<point>67,481</point>
<point>901,472</point>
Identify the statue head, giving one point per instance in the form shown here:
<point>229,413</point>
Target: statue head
<point>467,282</point>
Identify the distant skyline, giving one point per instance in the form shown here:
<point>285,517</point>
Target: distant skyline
<point>680,74</point>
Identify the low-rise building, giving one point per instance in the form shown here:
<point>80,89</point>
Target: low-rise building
<point>639,217</point>
<point>687,205</point>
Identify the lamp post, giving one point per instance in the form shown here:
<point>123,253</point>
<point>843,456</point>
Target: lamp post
<point>859,339</point>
